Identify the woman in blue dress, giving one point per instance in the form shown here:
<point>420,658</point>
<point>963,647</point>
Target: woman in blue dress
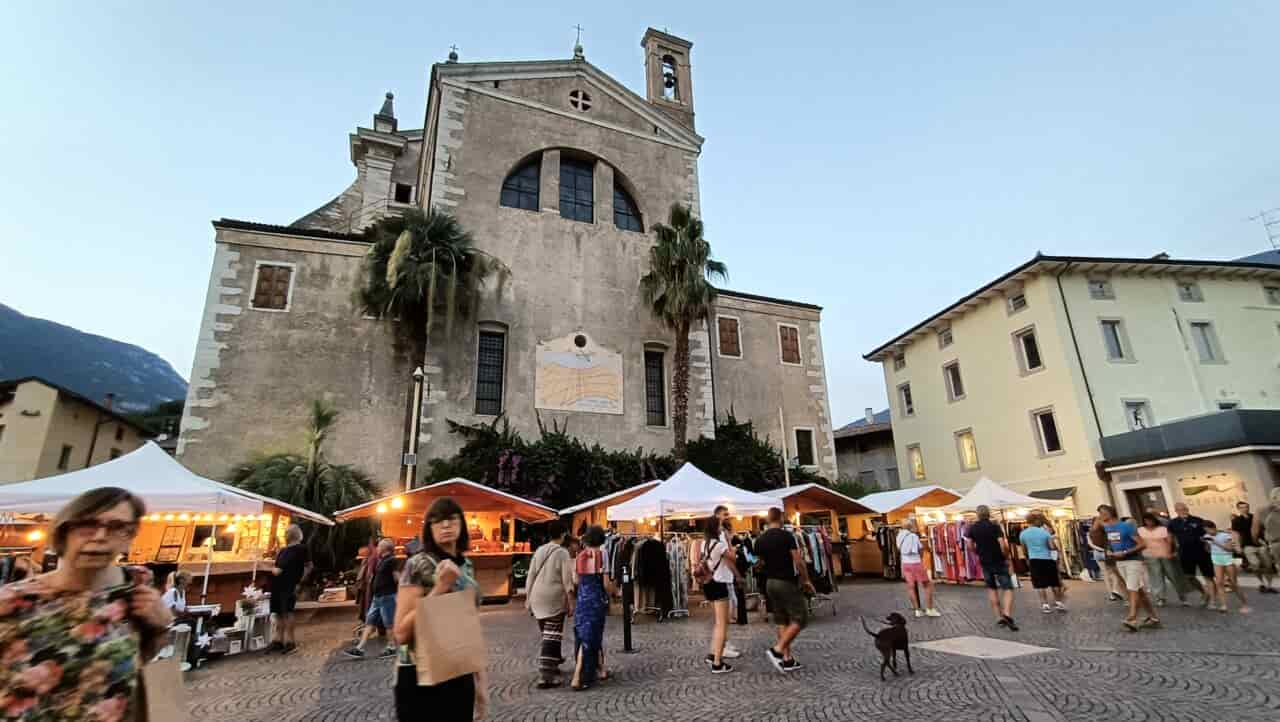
<point>591,610</point>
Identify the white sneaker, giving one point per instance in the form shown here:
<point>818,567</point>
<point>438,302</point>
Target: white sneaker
<point>730,652</point>
<point>1046,609</point>
<point>931,612</point>
<point>1060,606</point>
<point>919,613</point>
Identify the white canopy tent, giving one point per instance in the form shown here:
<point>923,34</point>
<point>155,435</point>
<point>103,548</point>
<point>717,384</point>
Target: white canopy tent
<point>163,484</point>
<point>690,494</point>
<point>990,494</point>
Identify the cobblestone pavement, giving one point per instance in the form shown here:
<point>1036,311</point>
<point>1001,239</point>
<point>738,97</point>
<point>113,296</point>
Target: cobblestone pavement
<point>1201,666</point>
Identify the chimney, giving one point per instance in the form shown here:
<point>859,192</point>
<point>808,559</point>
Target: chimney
<point>871,416</point>
<point>109,400</point>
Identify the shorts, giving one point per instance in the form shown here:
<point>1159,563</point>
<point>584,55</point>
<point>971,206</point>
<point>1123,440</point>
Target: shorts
<point>997,576</point>
<point>1261,558</point>
<point>915,574</point>
<point>1222,560</point>
<point>1134,573</point>
<point>382,611</point>
<point>1044,573</point>
<point>787,603</point>
<point>1193,564</point>
<point>284,600</point>
<point>715,591</point>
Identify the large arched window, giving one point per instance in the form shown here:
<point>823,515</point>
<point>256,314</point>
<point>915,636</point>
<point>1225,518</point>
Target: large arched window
<point>625,214</point>
<point>520,189</point>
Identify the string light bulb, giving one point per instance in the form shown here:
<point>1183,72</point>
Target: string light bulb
<point>397,503</point>
<point>35,536</point>
<point>381,509</point>
<point>184,516</point>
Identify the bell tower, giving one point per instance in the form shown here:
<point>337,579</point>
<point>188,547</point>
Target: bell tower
<point>668,79</point>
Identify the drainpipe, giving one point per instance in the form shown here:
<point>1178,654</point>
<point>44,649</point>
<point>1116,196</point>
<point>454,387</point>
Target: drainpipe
<point>1088,389</point>
<point>93,440</point>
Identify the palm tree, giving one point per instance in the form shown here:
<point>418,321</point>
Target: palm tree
<point>420,265</point>
<point>308,480</point>
<point>678,293</point>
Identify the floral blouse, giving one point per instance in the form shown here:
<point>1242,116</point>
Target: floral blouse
<point>67,657</point>
<point>420,571</point>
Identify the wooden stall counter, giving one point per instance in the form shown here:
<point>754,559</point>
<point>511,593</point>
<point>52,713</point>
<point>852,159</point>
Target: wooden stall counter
<point>494,573</point>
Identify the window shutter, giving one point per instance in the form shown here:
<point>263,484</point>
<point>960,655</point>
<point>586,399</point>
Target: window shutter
<point>790,344</point>
<point>730,344</point>
<point>273,287</point>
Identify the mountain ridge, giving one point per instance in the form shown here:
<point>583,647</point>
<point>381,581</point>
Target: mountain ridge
<point>88,364</point>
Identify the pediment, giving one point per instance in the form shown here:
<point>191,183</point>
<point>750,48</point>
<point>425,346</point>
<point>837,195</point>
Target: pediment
<point>561,85</point>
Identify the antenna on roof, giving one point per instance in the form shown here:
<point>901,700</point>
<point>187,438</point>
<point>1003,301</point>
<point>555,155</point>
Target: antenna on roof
<point>1270,220</point>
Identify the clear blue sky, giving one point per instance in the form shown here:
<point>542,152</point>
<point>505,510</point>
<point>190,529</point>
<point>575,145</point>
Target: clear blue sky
<point>877,160</point>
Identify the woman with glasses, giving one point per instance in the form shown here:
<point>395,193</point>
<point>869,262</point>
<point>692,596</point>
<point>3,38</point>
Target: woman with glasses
<point>74,640</point>
<point>441,567</point>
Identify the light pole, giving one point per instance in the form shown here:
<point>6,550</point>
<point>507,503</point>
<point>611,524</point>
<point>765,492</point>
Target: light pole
<point>410,460</point>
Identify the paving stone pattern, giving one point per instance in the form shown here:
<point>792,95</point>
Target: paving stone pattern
<point>1201,666</point>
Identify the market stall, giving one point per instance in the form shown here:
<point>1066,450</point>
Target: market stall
<point>659,554</point>
<point>588,513</point>
<point>491,517</point>
<point>954,558</point>
<point>220,534</point>
<point>872,537</point>
<point>817,505</point>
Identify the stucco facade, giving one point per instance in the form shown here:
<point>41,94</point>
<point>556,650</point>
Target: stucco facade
<point>573,280</point>
<point>1147,351</point>
<point>45,430</point>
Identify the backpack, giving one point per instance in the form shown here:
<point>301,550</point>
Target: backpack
<point>702,574</point>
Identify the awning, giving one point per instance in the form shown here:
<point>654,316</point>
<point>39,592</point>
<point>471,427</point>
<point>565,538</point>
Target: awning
<point>163,484</point>
<point>885,502</point>
<point>1054,494</point>
<point>690,493</point>
<point>472,497</point>
<point>816,497</point>
<point>616,497</point>
<point>990,494</point>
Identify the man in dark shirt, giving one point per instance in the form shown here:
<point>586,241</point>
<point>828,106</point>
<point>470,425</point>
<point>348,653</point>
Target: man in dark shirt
<point>783,566</point>
<point>292,564</point>
<point>1188,532</point>
<point>1253,547</point>
<point>993,553</point>
<point>382,609</point>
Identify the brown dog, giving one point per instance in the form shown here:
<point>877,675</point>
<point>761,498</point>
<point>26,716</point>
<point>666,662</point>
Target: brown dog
<point>889,640</point>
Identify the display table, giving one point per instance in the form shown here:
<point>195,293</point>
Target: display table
<point>227,580</point>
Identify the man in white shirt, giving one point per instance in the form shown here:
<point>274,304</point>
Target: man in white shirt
<point>911,550</point>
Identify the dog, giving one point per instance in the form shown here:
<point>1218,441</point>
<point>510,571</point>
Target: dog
<point>889,640</point>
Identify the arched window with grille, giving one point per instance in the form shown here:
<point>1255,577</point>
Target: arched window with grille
<point>625,214</point>
<point>520,189</point>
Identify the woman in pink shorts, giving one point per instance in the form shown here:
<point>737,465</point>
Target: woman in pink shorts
<point>911,549</point>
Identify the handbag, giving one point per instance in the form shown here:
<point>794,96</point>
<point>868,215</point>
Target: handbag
<point>448,641</point>
<point>163,698</point>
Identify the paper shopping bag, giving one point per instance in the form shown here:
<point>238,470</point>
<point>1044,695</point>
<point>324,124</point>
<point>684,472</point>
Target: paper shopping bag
<point>448,642</point>
<point>164,699</point>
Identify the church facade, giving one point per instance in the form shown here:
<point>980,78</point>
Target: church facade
<point>559,171</point>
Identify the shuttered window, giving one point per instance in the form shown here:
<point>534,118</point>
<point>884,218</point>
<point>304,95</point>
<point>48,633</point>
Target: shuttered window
<point>272,291</point>
<point>655,389</point>
<point>730,343</point>
<point>804,447</point>
<point>789,338</point>
<point>490,366</point>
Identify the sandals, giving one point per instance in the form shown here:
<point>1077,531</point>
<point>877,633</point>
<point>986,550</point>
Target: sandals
<point>1130,624</point>
<point>1151,623</point>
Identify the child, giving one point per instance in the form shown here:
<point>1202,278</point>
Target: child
<point>1221,545</point>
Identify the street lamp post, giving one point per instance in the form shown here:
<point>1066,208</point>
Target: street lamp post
<point>410,460</point>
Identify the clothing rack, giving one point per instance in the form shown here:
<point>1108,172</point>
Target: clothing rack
<point>676,552</point>
<point>818,558</point>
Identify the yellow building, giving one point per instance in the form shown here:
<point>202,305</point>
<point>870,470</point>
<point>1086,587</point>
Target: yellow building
<point>1037,377</point>
<point>47,430</point>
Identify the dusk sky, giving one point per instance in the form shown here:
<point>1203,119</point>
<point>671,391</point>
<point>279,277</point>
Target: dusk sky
<point>878,159</point>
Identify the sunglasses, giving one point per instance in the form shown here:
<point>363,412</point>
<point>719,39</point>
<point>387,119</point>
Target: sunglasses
<point>114,527</point>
